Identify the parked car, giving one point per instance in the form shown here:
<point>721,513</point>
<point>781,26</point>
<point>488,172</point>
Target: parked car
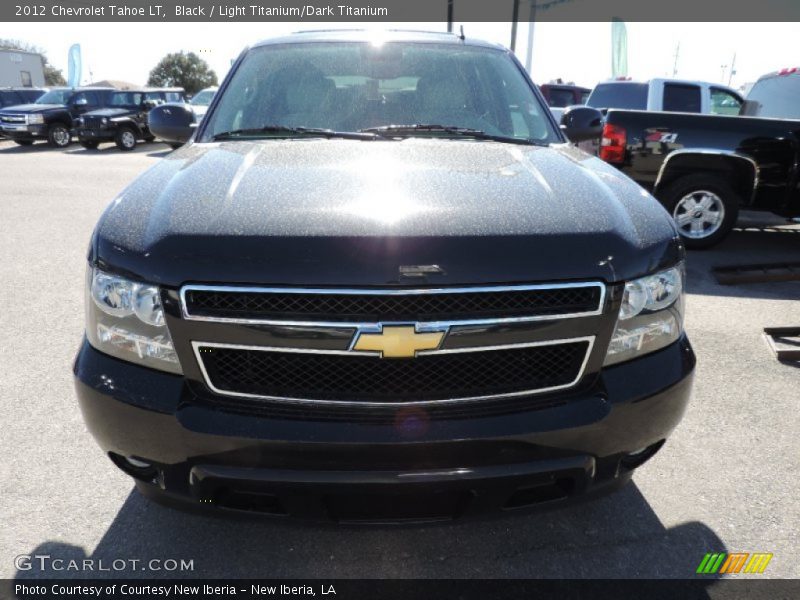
<point>12,96</point>
<point>561,95</point>
<point>50,117</point>
<point>671,95</point>
<point>704,168</point>
<point>311,310</point>
<point>775,95</point>
<point>201,101</point>
<point>123,120</point>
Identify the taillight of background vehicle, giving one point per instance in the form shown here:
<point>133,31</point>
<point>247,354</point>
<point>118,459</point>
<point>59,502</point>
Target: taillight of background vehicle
<point>612,144</point>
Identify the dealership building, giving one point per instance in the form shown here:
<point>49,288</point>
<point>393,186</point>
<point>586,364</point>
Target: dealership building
<point>21,69</point>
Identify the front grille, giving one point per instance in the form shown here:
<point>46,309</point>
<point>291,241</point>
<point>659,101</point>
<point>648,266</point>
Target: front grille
<point>352,378</point>
<point>16,119</point>
<point>408,305</point>
<point>92,122</point>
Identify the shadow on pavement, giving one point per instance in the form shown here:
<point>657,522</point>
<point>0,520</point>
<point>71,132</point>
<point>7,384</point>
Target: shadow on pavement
<point>615,536</point>
<point>752,242</point>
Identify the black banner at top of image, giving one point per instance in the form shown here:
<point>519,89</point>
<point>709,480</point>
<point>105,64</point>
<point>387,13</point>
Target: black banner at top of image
<point>397,10</point>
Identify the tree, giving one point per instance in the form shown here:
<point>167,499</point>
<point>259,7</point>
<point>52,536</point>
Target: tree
<point>52,76</point>
<point>182,69</point>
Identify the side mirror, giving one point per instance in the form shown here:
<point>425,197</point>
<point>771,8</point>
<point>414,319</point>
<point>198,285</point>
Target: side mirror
<point>173,123</point>
<point>148,104</point>
<point>581,123</point>
<point>749,108</point>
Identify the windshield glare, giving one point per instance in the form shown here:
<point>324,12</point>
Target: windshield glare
<point>350,86</point>
<point>55,97</point>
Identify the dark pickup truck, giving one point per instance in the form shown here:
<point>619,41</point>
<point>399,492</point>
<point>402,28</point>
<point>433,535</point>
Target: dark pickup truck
<point>703,168</point>
<point>50,117</point>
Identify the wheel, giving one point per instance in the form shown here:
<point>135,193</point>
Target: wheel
<point>58,136</point>
<point>125,139</point>
<point>149,138</point>
<point>174,146</point>
<point>704,207</point>
<point>23,142</point>
<point>90,144</point>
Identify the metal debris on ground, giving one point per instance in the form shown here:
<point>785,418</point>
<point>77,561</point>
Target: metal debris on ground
<point>784,342</point>
<point>759,273</point>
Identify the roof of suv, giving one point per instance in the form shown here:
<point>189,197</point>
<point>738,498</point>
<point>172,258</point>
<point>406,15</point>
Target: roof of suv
<point>363,35</point>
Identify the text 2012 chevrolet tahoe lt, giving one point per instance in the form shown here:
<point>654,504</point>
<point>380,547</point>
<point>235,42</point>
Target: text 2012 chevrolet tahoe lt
<point>378,284</point>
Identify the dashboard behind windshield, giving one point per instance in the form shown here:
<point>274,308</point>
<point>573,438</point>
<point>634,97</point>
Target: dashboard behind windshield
<point>350,86</point>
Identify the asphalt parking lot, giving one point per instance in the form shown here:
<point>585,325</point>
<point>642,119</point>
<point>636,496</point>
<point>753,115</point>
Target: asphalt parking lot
<point>725,481</point>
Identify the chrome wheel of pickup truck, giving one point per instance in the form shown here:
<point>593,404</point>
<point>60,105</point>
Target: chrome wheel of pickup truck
<point>699,214</point>
<point>704,207</point>
<point>58,136</point>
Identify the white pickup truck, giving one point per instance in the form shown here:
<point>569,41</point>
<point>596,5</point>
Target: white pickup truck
<point>670,95</point>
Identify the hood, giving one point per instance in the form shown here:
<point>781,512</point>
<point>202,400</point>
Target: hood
<point>110,112</point>
<point>33,108</point>
<point>343,212</point>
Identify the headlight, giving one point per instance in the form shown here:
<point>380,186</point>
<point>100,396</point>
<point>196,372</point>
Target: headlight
<point>650,317</point>
<point>79,121</point>
<point>35,119</point>
<point>104,121</point>
<point>125,319</point>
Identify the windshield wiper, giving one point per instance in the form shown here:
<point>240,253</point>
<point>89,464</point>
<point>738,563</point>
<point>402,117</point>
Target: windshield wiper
<point>285,131</point>
<point>405,130</point>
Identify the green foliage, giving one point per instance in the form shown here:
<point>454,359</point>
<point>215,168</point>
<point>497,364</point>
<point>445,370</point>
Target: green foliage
<point>52,76</point>
<point>182,69</point>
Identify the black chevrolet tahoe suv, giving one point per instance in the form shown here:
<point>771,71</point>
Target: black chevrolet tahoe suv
<point>124,118</point>
<point>51,117</point>
<point>379,285</point>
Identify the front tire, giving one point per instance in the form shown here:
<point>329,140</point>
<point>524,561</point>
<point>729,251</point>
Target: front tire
<point>704,208</point>
<point>125,139</point>
<point>90,145</point>
<point>58,136</point>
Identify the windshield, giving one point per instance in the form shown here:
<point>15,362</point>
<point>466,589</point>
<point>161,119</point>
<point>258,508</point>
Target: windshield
<point>630,96</point>
<point>55,97</point>
<point>776,97</point>
<point>203,98</point>
<point>125,99</point>
<point>351,86</point>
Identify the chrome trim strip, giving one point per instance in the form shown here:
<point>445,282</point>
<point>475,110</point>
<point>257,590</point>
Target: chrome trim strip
<point>371,326</point>
<point>197,345</point>
<point>711,152</point>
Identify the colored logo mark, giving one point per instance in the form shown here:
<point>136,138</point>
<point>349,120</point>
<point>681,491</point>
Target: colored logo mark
<point>736,562</point>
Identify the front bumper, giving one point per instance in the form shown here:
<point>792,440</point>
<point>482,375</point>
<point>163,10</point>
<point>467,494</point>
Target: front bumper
<point>84,133</point>
<point>378,472</point>
<point>24,132</point>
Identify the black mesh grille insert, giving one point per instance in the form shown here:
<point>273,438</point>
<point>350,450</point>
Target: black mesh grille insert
<point>434,306</point>
<point>372,379</point>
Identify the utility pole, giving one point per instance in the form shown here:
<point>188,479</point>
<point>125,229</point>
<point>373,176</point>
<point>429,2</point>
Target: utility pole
<point>449,16</point>
<point>531,23</point>
<point>733,69</point>
<point>514,19</point>
<point>675,64</point>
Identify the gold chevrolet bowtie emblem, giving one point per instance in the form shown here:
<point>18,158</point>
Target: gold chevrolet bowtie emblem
<point>398,341</point>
